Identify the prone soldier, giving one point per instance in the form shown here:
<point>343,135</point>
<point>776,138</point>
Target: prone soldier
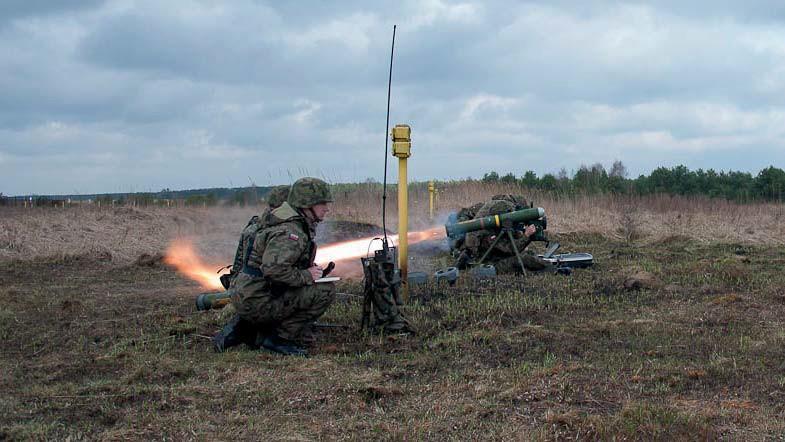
<point>502,255</point>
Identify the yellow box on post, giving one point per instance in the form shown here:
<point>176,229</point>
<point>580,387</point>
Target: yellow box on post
<point>402,141</point>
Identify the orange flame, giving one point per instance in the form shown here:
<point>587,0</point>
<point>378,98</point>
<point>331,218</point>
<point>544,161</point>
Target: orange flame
<point>182,256</point>
<point>358,248</point>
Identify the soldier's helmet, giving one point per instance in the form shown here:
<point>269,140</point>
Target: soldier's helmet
<point>308,192</point>
<point>518,200</point>
<point>495,207</point>
<point>277,196</point>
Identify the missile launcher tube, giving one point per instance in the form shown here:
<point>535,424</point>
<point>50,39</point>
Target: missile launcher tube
<point>493,222</point>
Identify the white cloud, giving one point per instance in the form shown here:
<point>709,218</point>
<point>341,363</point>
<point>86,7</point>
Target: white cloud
<point>351,32</point>
<point>483,102</point>
<point>698,117</point>
<point>429,12</point>
<point>307,111</point>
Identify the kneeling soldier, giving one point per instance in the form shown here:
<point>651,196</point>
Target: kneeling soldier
<point>275,293</point>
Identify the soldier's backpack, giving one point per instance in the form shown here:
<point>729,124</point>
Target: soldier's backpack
<point>244,245</point>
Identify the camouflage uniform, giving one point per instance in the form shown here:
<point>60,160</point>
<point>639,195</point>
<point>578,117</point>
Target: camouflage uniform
<point>275,198</point>
<point>467,213</point>
<point>383,299</point>
<point>502,256</point>
<point>275,289</point>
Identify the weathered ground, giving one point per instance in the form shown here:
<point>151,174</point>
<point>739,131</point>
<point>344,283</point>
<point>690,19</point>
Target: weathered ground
<point>692,348</point>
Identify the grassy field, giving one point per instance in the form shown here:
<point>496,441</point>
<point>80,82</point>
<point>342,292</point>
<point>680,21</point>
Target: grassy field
<point>669,336</point>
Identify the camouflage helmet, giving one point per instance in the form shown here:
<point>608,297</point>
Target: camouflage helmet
<point>495,207</point>
<point>276,196</point>
<point>518,200</point>
<point>308,192</point>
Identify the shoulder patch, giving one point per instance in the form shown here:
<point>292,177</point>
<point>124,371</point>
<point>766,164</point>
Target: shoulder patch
<point>293,237</point>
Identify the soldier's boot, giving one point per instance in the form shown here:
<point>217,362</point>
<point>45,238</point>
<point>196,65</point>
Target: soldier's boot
<point>399,328</point>
<point>234,333</point>
<point>308,336</point>
<point>283,346</point>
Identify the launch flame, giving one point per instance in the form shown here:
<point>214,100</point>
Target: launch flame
<point>358,248</point>
<point>182,256</point>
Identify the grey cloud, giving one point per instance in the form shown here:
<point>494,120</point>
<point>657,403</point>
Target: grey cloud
<point>250,45</point>
<point>176,94</point>
<point>12,10</point>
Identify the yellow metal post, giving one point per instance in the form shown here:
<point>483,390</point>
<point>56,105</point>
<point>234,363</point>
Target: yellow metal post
<point>431,189</point>
<point>402,149</point>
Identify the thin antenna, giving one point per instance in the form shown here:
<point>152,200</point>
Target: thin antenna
<point>386,140</point>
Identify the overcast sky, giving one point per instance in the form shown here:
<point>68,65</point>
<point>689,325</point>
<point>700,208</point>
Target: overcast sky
<point>117,96</point>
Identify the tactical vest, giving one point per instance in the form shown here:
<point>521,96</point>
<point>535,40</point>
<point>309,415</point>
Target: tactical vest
<point>257,243</point>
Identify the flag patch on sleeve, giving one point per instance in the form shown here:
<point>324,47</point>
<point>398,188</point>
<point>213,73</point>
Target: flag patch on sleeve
<point>293,237</point>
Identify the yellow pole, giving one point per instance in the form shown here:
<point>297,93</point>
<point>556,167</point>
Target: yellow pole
<point>403,220</point>
<point>430,199</point>
<point>402,149</point>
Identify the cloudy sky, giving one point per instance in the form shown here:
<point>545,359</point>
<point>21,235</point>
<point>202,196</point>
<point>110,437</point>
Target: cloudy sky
<point>117,96</point>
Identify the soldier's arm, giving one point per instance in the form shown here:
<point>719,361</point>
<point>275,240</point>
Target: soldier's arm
<point>237,265</point>
<point>279,261</point>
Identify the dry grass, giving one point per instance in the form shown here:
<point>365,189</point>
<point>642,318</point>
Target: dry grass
<point>98,350</point>
<point>119,234</point>
<point>125,233</point>
<point>648,219</point>
<point>122,354</point>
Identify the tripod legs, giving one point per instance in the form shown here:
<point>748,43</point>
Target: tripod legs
<point>505,233</point>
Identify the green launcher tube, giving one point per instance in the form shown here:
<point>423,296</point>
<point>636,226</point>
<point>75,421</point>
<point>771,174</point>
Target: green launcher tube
<point>493,222</point>
<point>207,301</point>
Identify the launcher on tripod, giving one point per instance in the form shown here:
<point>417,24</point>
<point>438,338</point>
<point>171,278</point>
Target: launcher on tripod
<point>504,225</point>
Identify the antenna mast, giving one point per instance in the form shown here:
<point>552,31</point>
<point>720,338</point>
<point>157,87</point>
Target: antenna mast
<point>386,140</point>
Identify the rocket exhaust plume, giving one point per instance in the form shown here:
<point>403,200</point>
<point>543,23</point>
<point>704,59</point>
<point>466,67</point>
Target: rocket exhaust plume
<point>182,256</point>
<point>358,248</point>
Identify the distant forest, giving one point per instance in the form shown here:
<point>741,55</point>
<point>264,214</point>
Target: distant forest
<point>767,185</point>
<point>192,197</point>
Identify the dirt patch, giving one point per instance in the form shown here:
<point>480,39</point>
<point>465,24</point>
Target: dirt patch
<point>147,260</point>
<point>641,280</point>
